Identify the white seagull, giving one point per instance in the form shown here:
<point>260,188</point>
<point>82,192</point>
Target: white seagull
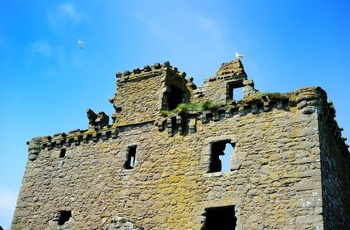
<point>81,43</point>
<point>239,56</point>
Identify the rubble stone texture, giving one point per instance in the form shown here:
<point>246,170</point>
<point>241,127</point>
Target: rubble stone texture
<point>152,169</point>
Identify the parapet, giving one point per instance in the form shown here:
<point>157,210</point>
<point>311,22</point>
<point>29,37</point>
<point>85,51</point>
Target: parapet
<point>144,95</point>
<point>148,72</point>
<point>307,100</point>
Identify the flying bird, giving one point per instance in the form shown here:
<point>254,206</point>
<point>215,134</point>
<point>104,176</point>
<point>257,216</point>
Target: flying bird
<point>81,43</point>
<point>239,56</point>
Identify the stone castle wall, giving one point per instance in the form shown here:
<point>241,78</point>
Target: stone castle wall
<point>335,169</point>
<point>287,160</point>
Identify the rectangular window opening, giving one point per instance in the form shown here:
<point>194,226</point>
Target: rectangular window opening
<point>176,96</point>
<point>238,94</point>
<point>62,153</point>
<point>221,152</point>
<point>235,91</point>
<point>130,158</point>
<point>220,218</point>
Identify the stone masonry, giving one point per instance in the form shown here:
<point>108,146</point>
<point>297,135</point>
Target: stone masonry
<point>158,167</point>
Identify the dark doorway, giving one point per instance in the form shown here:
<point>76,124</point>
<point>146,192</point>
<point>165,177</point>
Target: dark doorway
<point>220,218</point>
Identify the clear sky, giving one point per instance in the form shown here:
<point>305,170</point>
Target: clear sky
<point>48,82</point>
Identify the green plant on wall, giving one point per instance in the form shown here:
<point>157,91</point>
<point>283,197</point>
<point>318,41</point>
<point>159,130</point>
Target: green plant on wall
<point>181,108</point>
<point>185,107</point>
<point>209,105</point>
<point>263,96</point>
<point>270,95</point>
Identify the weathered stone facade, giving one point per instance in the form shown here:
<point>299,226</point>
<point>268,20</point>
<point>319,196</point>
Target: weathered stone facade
<point>289,168</point>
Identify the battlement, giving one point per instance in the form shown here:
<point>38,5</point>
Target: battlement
<point>148,72</point>
<point>307,100</point>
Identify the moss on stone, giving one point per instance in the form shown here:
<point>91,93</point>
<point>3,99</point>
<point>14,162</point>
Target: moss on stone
<point>209,105</point>
<point>185,107</point>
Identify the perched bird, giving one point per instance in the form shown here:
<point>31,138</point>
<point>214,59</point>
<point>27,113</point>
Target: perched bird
<point>239,56</point>
<point>81,43</point>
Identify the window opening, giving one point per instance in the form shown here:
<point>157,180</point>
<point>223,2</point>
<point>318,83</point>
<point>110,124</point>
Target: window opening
<point>130,158</point>
<point>220,218</point>
<point>62,153</point>
<point>238,94</point>
<point>235,91</point>
<point>175,97</point>
<point>220,156</point>
<point>63,216</point>
<point>226,158</point>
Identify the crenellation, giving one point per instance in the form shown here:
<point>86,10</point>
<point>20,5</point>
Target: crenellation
<point>157,65</point>
<point>160,167</point>
<point>147,68</point>
<point>136,71</point>
<point>155,70</point>
<point>75,138</point>
<point>253,106</point>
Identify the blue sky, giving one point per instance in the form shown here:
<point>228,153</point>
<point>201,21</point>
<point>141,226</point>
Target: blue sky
<point>47,81</point>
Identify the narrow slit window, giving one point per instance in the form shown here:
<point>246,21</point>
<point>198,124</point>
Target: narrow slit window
<point>130,158</point>
<point>62,153</point>
<point>220,218</point>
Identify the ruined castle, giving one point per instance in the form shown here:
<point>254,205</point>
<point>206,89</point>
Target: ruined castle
<point>159,164</point>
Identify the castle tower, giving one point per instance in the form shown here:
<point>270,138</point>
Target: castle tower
<point>143,93</point>
<point>158,167</point>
